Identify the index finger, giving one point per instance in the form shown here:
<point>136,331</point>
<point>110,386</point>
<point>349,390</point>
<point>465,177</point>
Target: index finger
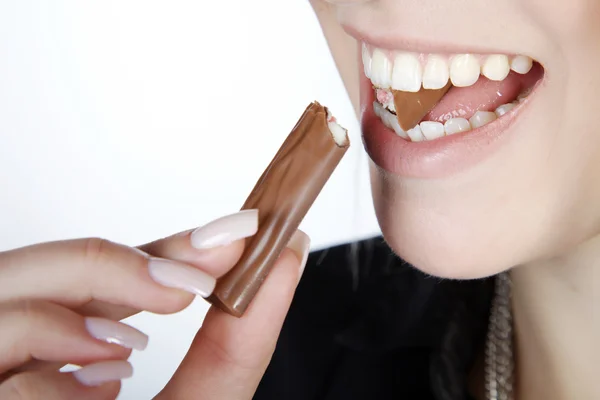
<point>73,273</point>
<point>214,248</point>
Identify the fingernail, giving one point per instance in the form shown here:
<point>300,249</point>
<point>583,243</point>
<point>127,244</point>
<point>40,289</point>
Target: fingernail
<point>115,332</point>
<point>103,372</point>
<point>226,230</point>
<point>176,275</point>
<point>300,245</point>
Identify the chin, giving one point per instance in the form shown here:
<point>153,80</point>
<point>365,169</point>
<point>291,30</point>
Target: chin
<point>443,260</point>
<point>435,228</point>
<point>439,233</point>
<point>438,246</point>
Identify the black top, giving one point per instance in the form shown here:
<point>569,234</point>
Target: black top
<point>366,325</point>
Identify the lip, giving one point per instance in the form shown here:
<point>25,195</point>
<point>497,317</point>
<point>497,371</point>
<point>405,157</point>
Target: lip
<point>436,158</point>
<point>386,41</point>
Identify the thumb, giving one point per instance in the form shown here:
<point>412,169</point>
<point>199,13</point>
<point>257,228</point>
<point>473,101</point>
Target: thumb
<point>100,381</point>
<point>230,355</point>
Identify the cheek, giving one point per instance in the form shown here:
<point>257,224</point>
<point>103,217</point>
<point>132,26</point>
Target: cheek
<point>565,20</point>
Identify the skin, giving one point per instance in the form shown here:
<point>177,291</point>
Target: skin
<point>48,289</point>
<point>533,206</point>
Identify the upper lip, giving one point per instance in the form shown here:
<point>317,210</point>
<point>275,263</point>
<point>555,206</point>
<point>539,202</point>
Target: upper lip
<point>413,44</point>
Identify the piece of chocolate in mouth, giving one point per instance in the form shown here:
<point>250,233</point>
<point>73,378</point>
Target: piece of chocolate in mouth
<point>411,107</point>
<point>283,195</point>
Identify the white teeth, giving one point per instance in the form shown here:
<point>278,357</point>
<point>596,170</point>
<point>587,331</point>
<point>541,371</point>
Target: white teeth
<point>415,134</point>
<point>410,72</point>
<point>407,73</point>
<point>432,130</point>
<point>366,57</point>
<point>504,108</point>
<point>393,123</point>
<point>436,73</point>
<point>377,108</point>
<point>390,120</point>
<point>496,67</point>
<point>456,125</point>
<point>381,70</point>
<point>521,64</point>
<point>481,118</point>
<point>464,70</point>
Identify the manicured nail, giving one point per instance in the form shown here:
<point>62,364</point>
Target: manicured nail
<point>300,245</point>
<point>116,332</point>
<point>226,230</point>
<point>103,372</point>
<point>181,276</point>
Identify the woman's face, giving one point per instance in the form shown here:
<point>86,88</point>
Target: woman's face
<point>521,183</point>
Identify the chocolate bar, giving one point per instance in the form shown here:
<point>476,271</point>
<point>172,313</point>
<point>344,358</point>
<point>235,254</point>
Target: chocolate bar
<point>412,107</point>
<point>283,195</point>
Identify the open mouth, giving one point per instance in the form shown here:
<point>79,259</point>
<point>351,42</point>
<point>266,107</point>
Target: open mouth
<point>483,89</point>
<point>429,116</point>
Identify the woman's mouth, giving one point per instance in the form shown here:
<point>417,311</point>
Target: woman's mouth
<point>488,93</point>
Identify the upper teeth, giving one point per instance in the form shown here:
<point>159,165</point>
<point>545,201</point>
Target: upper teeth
<point>409,71</point>
<point>435,73</point>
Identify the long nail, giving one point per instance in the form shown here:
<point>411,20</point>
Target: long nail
<point>300,245</point>
<point>226,230</point>
<point>116,332</point>
<point>103,372</point>
<point>176,275</point>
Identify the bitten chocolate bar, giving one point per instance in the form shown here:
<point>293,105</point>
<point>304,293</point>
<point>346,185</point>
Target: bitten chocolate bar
<point>412,107</point>
<point>283,195</point>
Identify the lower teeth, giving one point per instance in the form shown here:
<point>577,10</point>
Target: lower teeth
<point>430,130</point>
<point>389,119</point>
<point>504,108</point>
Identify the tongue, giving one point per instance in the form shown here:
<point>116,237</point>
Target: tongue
<point>484,95</point>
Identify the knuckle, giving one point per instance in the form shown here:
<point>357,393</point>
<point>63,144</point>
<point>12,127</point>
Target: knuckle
<point>27,316</point>
<point>97,250</point>
<point>30,310</point>
<point>19,321</point>
<point>20,386</point>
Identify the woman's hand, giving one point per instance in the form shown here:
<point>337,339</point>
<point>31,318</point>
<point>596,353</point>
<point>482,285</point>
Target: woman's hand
<point>59,303</point>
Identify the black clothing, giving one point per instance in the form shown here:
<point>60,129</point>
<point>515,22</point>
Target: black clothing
<point>366,325</point>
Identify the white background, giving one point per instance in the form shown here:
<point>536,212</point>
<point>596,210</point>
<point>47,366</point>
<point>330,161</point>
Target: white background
<point>133,120</point>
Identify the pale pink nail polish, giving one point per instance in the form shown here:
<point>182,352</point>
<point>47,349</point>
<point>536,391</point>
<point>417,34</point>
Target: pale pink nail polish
<point>225,230</point>
<point>103,372</point>
<point>116,332</point>
<point>181,276</point>
<point>300,245</point>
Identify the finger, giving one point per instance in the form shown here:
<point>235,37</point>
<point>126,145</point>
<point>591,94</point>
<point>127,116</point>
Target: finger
<point>100,381</point>
<point>48,332</point>
<point>229,355</point>
<point>213,248</point>
<point>73,273</point>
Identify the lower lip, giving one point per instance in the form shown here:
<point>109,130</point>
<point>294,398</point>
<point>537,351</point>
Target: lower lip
<point>430,159</point>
